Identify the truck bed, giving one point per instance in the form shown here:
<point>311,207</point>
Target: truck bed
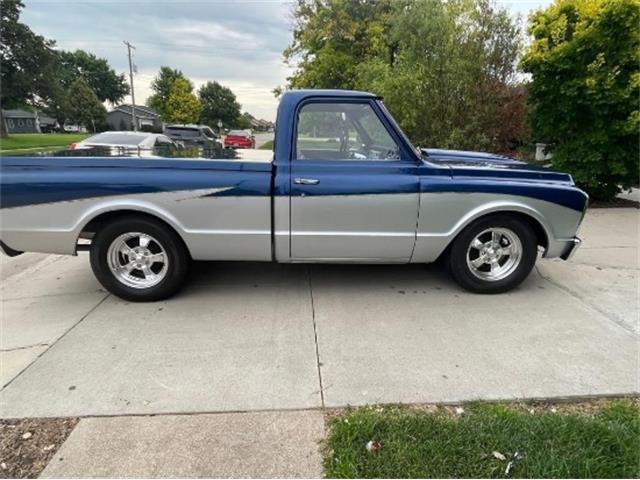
<point>220,207</point>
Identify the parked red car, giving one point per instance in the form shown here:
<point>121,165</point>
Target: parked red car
<point>240,139</point>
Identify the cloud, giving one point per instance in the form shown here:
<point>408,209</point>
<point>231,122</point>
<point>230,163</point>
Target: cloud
<point>237,43</point>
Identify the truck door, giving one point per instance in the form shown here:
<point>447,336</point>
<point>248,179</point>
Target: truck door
<point>353,197</point>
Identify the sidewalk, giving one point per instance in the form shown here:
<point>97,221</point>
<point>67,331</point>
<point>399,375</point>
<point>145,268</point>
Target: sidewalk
<point>239,445</point>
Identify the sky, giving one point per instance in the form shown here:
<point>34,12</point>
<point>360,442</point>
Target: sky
<point>238,43</point>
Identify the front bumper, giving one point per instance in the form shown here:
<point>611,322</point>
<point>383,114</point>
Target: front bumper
<point>571,248</point>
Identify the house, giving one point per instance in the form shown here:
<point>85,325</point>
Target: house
<point>21,121</point>
<point>258,124</point>
<point>47,124</point>
<point>120,118</point>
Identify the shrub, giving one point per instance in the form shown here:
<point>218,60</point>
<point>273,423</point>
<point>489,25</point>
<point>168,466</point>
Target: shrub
<point>585,90</point>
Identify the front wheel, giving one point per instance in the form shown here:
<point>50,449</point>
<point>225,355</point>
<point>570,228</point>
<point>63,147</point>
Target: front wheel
<point>493,254</point>
<point>139,259</point>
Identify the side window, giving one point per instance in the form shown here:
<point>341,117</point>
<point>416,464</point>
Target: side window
<point>343,131</point>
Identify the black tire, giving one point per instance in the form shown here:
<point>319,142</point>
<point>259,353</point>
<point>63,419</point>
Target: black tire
<point>174,273</point>
<point>464,275</point>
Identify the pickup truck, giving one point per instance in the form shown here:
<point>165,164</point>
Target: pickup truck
<point>342,184</point>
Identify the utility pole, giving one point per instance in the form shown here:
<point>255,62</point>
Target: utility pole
<point>134,121</point>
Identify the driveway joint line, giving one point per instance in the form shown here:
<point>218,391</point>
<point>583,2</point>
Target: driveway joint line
<point>315,336</point>
<point>56,341</point>
<point>609,316</point>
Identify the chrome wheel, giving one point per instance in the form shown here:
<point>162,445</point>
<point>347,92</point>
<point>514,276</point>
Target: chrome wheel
<point>494,254</point>
<point>137,260</point>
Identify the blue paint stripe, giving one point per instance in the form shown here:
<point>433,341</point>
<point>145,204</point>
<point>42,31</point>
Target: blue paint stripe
<point>34,181</point>
<point>560,194</point>
<point>28,182</point>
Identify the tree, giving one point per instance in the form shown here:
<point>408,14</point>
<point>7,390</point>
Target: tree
<point>331,37</point>
<point>83,106</point>
<point>182,105</point>
<point>447,70</point>
<point>244,121</point>
<point>454,68</point>
<point>161,87</point>
<point>218,104</point>
<point>103,80</point>
<point>106,84</point>
<point>584,62</point>
<point>25,60</point>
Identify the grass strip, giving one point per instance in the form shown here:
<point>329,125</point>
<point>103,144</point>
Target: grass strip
<point>602,441</point>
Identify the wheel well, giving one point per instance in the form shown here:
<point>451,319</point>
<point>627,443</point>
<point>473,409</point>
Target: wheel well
<point>95,224</point>
<point>536,226</point>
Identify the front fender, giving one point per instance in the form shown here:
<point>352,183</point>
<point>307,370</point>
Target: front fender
<point>444,215</point>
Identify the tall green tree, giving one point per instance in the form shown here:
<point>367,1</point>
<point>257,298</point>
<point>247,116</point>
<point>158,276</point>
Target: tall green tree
<point>83,106</point>
<point>585,89</point>
<point>331,37</point>
<point>243,122</point>
<point>453,82</point>
<point>25,60</point>
<point>218,104</point>
<point>182,105</point>
<point>447,70</point>
<point>161,87</point>
<point>106,84</point>
<point>103,80</point>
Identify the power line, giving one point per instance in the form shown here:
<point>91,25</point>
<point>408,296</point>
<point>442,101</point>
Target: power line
<point>174,46</point>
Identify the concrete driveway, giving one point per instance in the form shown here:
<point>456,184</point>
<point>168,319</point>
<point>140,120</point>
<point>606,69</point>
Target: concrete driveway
<point>251,336</point>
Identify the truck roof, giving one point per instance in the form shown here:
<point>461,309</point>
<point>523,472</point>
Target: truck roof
<point>304,93</point>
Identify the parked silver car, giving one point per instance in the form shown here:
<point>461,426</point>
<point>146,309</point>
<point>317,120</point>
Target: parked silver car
<point>121,143</point>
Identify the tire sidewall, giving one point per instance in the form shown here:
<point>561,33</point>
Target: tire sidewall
<point>178,260</point>
<point>458,255</point>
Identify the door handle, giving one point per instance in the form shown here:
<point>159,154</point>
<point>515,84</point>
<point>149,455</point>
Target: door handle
<point>306,181</point>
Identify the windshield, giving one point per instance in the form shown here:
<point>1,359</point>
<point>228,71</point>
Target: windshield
<point>209,133</point>
<point>117,138</point>
<point>238,133</point>
<point>397,128</point>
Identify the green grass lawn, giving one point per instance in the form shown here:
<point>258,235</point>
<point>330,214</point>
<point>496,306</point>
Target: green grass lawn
<point>569,443</point>
<point>24,142</point>
<point>268,145</point>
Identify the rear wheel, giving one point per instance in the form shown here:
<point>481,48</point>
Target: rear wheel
<point>139,259</point>
<point>494,254</point>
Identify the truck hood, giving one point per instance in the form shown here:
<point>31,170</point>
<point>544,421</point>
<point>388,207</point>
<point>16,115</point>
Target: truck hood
<point>479,164</point>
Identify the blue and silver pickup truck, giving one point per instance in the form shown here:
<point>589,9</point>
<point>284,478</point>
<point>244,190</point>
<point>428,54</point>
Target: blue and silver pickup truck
<point>342,184</point>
